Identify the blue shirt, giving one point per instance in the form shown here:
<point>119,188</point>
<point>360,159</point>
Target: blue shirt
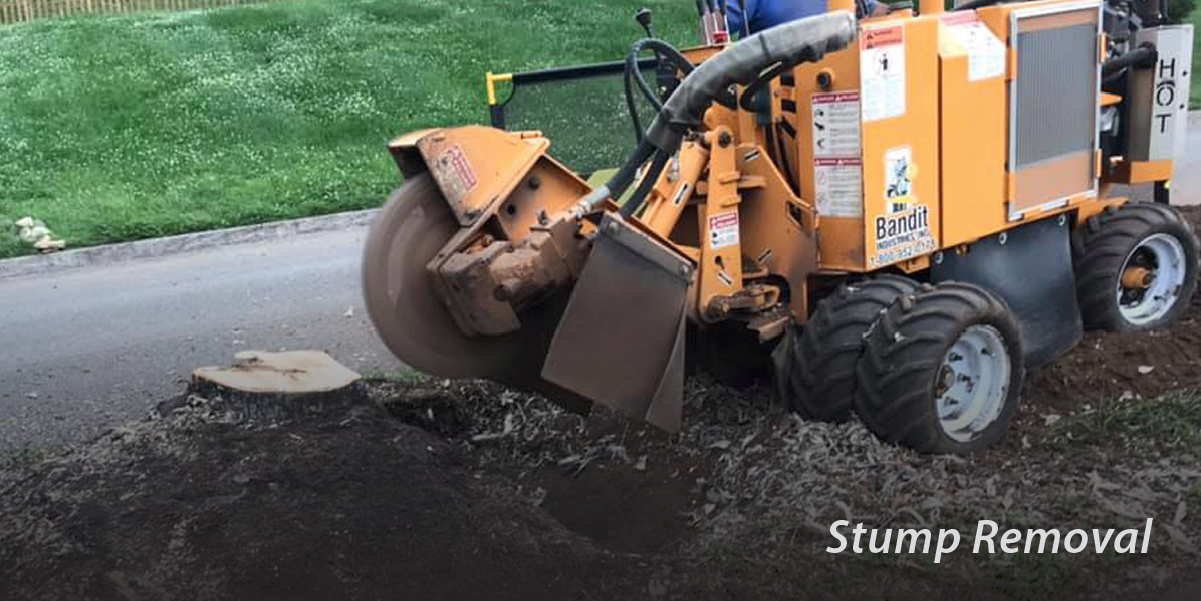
<point>762,14</point>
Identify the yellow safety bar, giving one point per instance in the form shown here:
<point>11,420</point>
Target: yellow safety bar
<point>491,80</point>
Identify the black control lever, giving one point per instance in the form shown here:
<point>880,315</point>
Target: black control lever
<point>643,16</point>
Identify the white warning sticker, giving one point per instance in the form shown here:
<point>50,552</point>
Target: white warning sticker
<point>986,55</point>
<point>836,124</point>
<point>882,72</point>
<point>454,174</point>
<point>723,229</point>
<point>838,183</point>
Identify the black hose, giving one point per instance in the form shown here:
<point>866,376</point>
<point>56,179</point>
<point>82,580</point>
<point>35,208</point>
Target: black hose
<point>748,94</point>
<point>635,120</point>
<point>1143,56</point>
<point>770,141</point>
<point>784,164</point>
<point>803,40</point>
<point>616,186</point>
<point>648,183</point>
<point>664,51</point>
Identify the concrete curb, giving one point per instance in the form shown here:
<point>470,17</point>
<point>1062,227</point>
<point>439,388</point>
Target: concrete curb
<point>158,247</point>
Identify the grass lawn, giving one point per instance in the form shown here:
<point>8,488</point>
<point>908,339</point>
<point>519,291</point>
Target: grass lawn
<point>121,127</point>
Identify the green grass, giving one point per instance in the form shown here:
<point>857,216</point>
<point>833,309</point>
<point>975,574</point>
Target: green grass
<point>1171,422</point>
<point>121,127</point>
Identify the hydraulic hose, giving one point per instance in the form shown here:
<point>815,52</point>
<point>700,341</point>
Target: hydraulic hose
<point>789,44</point>
<point>635,120</point>
<point>746,101</point>
<point>663,51</point>
<point>1143,56</point>
<point>648,183</point>
<point>617,185</point>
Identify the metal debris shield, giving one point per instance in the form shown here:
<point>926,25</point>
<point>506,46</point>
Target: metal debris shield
<point>621,339</point>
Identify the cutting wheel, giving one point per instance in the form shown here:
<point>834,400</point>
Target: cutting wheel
<point>411,228</point>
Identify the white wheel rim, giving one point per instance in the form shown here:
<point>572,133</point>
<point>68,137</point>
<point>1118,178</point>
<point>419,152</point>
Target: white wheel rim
<point>1163,256</point>
<point>973,383</point>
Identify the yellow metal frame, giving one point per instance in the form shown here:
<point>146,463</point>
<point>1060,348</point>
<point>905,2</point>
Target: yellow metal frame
<point>490,81</point>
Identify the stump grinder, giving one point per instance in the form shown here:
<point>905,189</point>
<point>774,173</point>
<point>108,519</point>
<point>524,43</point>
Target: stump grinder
<point>893,217</point>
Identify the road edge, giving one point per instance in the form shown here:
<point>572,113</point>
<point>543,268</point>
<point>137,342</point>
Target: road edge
<point>170,245</point>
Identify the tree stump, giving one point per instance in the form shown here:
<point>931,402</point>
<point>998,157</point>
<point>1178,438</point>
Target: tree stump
<point>267,387</point>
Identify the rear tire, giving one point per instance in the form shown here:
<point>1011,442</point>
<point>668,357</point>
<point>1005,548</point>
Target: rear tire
<point>941,370</point>
<point>823,377</point>
<point>1150,238</point>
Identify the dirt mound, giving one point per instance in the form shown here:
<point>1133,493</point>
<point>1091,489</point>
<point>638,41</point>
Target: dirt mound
<point>347,506</point>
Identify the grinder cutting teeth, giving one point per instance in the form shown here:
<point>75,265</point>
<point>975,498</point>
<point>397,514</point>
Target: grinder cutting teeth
<point>494,260</point>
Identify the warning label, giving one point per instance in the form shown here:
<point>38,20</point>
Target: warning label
<point>882,72</point>
<point>837,166</point>
<point>454,174</point>
<point>985,52</point>
<point>836,125</point>
<point>838,183</point>
<point>723,230</point>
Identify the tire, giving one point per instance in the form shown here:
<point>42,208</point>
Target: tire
<point>827,350</point>
<point>914,348</point>
<point>1149,236</point>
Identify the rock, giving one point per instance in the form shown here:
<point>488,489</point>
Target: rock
<point>46,244</point>
<point>279,387</point>
<point>34,232</point>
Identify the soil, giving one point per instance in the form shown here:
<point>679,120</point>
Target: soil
<point>349,505</point>
<point>1108,366</point>
<point>441,490</point>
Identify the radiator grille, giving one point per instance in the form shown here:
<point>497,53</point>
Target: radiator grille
<point>1056,92</point>
<point>1053,128</point>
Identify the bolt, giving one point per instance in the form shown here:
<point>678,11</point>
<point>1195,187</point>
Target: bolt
<point>685,270</point>
<point>535,183</point>
<point>724,139</point>
<point>543,218</point>
<point>824,80</point>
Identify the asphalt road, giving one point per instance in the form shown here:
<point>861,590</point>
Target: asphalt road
<point>89,348</point>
